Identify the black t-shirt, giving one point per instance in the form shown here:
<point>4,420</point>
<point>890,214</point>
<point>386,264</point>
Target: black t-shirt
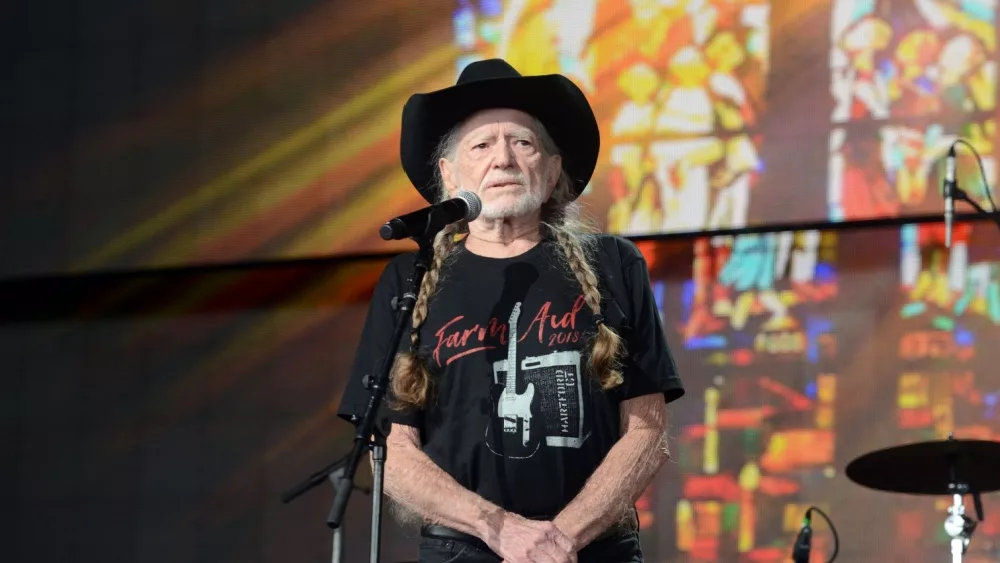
<point>529,449</point>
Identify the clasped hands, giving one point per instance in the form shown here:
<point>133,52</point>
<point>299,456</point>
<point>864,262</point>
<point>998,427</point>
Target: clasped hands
<point>520,540</point>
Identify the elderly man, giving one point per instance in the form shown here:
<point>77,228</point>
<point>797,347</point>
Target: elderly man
<point>529,396</point>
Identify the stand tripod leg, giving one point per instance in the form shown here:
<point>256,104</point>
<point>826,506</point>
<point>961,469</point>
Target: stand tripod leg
<point>378,474</point>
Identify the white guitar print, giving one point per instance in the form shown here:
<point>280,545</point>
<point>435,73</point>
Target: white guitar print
<point>516,438</point>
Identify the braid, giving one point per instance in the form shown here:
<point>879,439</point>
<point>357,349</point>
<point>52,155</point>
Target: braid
<point>560,219</point>
<point>411,380</point>
<point>608,345</point>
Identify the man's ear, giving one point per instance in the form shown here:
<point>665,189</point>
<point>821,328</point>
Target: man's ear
<point>449,175</point>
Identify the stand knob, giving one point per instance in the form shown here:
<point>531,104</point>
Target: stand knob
<point>954,526</point>
<point>368,382</point>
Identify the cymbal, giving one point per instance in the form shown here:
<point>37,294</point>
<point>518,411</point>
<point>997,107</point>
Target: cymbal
<point>925,468</point>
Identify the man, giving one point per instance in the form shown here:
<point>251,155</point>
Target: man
<point>529,397</point>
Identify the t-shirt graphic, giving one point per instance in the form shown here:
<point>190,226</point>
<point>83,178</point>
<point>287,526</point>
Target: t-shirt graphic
<point>548,400</point>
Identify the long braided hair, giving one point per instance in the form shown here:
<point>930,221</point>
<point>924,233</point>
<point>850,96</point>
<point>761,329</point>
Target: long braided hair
<point>412,383</point>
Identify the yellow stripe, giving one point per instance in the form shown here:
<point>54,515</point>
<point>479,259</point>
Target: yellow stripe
<point>373,99</point>
<point>285,183</point>
<point>373,204</point>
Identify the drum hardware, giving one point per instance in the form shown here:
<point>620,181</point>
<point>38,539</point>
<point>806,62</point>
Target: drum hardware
<point>941,467</point>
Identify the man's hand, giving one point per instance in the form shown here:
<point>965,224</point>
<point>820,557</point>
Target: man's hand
<point>520,540</point>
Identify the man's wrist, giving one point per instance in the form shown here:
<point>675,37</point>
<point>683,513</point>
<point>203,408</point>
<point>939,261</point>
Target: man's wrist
<point>565,525</point>
<point>489,523</point>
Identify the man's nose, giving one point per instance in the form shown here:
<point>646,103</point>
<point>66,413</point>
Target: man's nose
<point>503,155</point>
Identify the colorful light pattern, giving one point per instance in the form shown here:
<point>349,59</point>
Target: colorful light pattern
<point>753,319</point>
<point>715,114</point>
<point>678,104</point>
<point>774,327</point>
<point>908,77</point>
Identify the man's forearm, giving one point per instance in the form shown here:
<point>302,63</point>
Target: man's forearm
<point>614,487</point>
<point>416,482</point>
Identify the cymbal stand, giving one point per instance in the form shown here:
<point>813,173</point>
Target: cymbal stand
<point>958,526</point>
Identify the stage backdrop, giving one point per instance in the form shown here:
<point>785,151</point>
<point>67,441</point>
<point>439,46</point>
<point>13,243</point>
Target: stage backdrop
<point>159,417</point>
<point>158,134</point>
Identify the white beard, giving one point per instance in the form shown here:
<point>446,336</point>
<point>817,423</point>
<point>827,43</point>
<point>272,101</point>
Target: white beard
<point>523,204</point>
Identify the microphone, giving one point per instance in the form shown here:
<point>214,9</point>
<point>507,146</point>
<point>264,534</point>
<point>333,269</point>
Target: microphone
<point>803,543</point>
<point>465,205</point>
<point>949,195</point>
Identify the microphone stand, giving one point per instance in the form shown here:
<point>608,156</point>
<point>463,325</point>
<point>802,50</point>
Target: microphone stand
<point>960,195</point>
<point>335,474</point>
<point>337,478</point>
<point>373,428</point>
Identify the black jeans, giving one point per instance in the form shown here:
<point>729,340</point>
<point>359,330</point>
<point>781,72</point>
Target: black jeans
<point>625,549</point>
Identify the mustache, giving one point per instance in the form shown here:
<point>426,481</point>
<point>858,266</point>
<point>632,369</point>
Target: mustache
<point>504,179</point>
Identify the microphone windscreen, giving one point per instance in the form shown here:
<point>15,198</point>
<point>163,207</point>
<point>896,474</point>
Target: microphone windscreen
<point>475,204</point>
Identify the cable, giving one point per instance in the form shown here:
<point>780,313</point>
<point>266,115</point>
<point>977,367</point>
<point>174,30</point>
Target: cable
<point>982,170</point>
<point>833,530</point>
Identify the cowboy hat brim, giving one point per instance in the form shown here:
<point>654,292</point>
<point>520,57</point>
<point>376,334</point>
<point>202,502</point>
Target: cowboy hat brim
<point>552,99</point>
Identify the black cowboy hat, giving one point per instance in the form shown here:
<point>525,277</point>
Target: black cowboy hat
<point>553,99</point>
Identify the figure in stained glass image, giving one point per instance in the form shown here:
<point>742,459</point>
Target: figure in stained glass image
<point>736,278</point>
<point>909,58</point>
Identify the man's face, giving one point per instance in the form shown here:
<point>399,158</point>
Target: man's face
<point>500,158</point>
